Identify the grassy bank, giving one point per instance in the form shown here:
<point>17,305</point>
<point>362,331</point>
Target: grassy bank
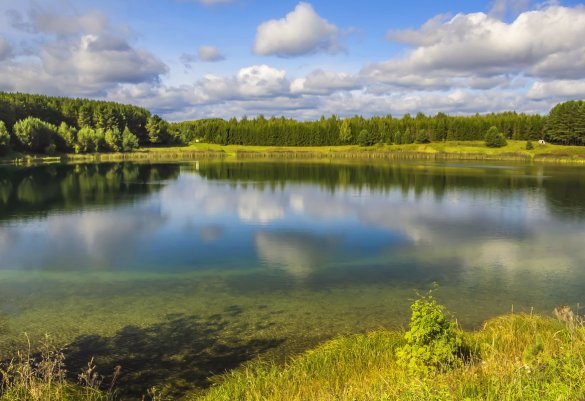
<point>468,150</point>
<point>465,150</point>
<point>515,357</point>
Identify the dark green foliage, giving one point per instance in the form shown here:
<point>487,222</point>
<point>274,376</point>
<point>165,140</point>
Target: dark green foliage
<point>85,117</point>
<point>397,137</point>
<point>433,341</point>
<point>99,140</point>
<point>129,141</point>
<point>158,130</point>
<point>345,135</point>
<point>333,131</point>
<point>366,138</point>
<point>494,139</point>
<point>67,137</point>
<point>407,137</point>
<point>529,145</point>
<point>566,123</point>
<point>85,142</point>
<point>34,135</point>
<point>4,138</point>
<point>422,137</point>
<point>113,138</point>
<point>99,116</point>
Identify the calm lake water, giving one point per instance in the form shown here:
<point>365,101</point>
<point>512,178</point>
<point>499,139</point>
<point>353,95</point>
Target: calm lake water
<point>178,272</point>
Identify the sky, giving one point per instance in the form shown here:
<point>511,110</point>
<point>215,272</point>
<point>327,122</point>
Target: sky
<point>190,59</point>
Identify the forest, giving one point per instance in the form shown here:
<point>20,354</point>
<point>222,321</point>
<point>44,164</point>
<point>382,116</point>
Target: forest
<point>49,125</point>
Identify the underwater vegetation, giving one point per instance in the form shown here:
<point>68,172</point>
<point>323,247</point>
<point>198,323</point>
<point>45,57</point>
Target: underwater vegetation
<point>512,357</point>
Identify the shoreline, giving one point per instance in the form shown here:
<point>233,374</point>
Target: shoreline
<point>513,356</point>
<point>510,356</point>
<point>433,151</point>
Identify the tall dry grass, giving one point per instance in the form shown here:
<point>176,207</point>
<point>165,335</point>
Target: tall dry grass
<point>42,377</point>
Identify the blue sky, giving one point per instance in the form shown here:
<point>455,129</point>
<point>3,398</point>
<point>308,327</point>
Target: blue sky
<point>190,59</point>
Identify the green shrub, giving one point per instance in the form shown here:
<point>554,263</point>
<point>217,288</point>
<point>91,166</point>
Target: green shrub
<point>433,341</point>
<point>494,139</point>
<point>529,145</point>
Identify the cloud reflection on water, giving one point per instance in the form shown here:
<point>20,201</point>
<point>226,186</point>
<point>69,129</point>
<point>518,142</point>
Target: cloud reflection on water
<point>471,232</point>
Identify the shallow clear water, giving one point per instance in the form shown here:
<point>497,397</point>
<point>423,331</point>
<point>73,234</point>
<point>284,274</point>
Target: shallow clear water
<point>178,272</point>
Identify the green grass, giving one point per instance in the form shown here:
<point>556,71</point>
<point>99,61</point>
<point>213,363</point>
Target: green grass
<point>454,147</point>
<point>514,150</point>
<point>513,357</point>
<point>516,357</point>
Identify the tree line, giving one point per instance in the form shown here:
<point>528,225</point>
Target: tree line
<point>566,123</point>
<point>45,124</point>
<point>358,130</point>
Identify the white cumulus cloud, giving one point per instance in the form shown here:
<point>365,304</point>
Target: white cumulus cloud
<point>75,55</point>
<point>301,32</point>
<point>249,82</point>
<point>560,88</point>
<point>540,43</point>
<point>321,82</point>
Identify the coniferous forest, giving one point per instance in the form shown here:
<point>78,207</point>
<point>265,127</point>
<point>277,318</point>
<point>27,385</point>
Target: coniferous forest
<point>49,125</point>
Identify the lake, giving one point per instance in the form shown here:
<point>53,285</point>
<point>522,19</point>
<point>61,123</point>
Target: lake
<point>178,272</point>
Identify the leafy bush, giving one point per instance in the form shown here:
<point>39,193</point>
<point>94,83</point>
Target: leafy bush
<point>494,139</point>
<point>433,341</point>
<point>529,145</point>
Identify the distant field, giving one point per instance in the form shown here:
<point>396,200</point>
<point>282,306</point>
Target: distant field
<point>514,148</point>
<point>474,150</point>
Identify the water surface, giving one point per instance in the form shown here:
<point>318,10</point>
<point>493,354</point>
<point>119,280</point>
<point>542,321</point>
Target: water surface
<point>178,272</point>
